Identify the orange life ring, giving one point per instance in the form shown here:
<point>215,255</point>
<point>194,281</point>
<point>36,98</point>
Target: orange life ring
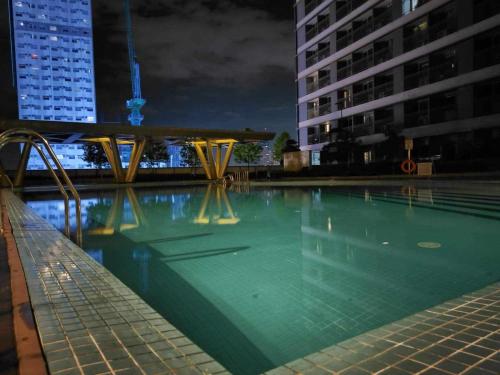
<point>408,166</point>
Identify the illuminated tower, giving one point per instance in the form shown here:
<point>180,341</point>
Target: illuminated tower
<point>137,102</point>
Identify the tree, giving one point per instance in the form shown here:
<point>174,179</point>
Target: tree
<point>189,156</point>
<point>94,156</point>
<point>155,153</point>
<point>247,153</point>
<point>278,145</point>
<point>290,146</point>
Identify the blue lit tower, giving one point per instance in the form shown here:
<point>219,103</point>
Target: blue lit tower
<point>137,102</point>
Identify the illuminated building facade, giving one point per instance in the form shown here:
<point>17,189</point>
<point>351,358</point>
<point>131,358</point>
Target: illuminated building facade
<point>54,64</point>
<point>371,71</point>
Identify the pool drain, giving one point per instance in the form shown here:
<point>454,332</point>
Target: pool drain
<point>429,245</point>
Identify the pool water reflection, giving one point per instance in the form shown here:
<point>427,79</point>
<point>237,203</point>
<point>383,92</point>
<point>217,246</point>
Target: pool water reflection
<point>260,278</point>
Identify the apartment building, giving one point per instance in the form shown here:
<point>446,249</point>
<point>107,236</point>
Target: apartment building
<point>370,72</point>
<point>54,66</point>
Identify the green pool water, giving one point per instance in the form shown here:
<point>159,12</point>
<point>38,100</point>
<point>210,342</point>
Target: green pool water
<point>262,277</point>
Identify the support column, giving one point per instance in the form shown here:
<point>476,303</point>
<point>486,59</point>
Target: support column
<point>135,159</point>
<point>218,159</point>
<point>227,157</point>
<point>23,164</point>
<point>111,149</point>
<point>211,162</point>
<point>214,166</point>
<point>203,160</point>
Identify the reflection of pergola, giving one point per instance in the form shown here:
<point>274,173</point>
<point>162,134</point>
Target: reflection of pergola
<point>221,212</point>
<point>114,219</point>
<point>206,141</point>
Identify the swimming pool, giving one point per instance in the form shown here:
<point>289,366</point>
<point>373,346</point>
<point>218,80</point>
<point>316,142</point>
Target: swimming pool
<point>259,278</point>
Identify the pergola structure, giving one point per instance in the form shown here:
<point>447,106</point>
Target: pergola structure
<point>210,144</point>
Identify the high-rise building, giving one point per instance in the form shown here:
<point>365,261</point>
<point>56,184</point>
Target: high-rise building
<point>372,71</point>
<point>53,60</point>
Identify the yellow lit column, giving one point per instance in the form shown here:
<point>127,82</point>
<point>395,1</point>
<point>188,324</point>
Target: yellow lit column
<point>222,168</point>
<point>214,166</point>
<point>111,150</point>
<point>211,161</point>
<point>135,159</point>
<point>203,159</point>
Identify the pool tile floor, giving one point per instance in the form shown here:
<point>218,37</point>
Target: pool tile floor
<point>91,323</point>
<point>461,336</point>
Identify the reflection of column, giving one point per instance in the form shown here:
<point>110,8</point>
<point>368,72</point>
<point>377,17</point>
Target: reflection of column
<point>142,256</point>
<point>218,211</point>
<point>23,164</point>
<point>137,212</point>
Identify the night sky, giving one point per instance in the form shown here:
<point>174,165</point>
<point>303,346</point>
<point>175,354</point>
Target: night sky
<point>211,64</point>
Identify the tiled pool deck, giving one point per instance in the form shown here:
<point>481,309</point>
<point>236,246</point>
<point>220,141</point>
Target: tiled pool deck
<point>91,323</point>
<point>88,321</point>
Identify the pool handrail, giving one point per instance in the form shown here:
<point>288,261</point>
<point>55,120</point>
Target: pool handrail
<point>16,135</point>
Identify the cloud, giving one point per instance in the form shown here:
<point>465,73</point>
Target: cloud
<point>214,42</point>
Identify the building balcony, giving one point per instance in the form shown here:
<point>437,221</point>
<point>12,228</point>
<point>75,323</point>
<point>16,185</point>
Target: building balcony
<point>346,8</point>
<point>310,5</point>
<point>384,89</point>
<point>316,84</point>
<point>317,28</point>
<point>485,8</point>
<point>319,110</point>
<point>362,130</point>
<point>424,34</point>
<point>430,75</point>
<point>345,40</point>
<point>374,23</point>
<point>488,105</point>
<point>435,115</point>
<point>364,96</point>
<point>487,56</point>
<point>363,63</point>
<point>319,55</point>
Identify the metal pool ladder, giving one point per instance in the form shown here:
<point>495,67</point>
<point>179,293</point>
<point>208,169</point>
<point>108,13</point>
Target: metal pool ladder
<point>31,137</point>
